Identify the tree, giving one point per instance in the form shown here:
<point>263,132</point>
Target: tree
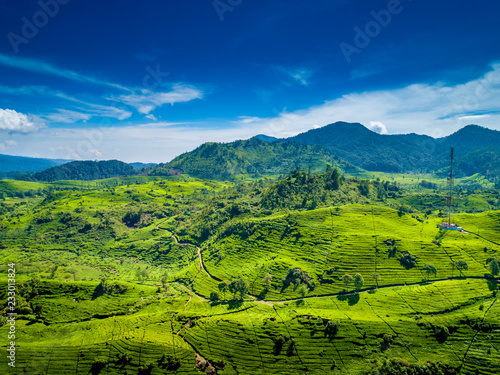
<point>494,265</point>
<point>462,266</point>
<point>240,286</point>
<point>223,286</point>
<point>347,279</point>
<point>142,274</point>
<point>303,290</point>
<point>164,280</point>
<point>358,281</point>
<point>429,268</point>
<point>266,280</point>
<point>214,296</point>
<point>377,277</point>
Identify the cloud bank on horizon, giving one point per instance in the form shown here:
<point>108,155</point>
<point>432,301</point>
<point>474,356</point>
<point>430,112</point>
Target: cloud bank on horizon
<point>186,76</point>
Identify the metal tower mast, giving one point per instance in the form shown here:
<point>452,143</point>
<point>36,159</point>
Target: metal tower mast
<point>451,183</point>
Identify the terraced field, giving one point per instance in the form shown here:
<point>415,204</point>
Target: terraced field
<point>329,243</point>
<point>246,336</point>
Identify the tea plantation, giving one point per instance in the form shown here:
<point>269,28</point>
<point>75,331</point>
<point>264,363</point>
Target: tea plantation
<point>304,274</point>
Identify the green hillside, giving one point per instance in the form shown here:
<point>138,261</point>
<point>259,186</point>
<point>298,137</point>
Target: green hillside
<point>253,158</point>
<point>307,274</point>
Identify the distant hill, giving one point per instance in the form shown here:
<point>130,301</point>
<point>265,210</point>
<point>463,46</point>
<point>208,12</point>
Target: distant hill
<point>409,152</point>
<point>143,165</point>
<point>369,150</point>
<point>266,138</point>
<point>85,170</point>
<point>9,163</point>
<point>253,157</point>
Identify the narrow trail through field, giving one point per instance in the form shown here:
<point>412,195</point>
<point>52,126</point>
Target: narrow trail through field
<point>202,265</point>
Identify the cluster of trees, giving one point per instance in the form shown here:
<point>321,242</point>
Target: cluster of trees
<point>237,287</point>
<point>428,185</point>
<point>357,279</point>
<point>300,281</point>
<point>303,190</point>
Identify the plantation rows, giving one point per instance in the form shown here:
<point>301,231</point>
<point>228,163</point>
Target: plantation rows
<point>328,244</point>
<point>280,338</point>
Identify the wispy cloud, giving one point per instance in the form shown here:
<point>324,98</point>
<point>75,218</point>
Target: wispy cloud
<point>67,116</point>
<point>143,100</point>
<point>82,110</point>
<point>38,66</point>
<point>146,101</point>
<point>298,75</point>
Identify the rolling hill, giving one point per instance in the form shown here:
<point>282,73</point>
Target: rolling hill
<point>85,170</point>
<point>250,158</point>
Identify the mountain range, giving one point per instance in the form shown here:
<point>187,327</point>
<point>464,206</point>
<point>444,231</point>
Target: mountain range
<point>477,150</point>
<point>349,146</point>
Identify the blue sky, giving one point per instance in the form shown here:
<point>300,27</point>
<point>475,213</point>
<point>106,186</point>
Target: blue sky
<point>148,80</point>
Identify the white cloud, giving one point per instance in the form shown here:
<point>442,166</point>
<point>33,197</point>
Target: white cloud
<point>15,122</point>
<point>145,101</point>
<point>100,110</point>
<point>377,127</point>
<point>473,117</point>
<point>95,152</point>
<point>152,117</point>
<point>67,115</point>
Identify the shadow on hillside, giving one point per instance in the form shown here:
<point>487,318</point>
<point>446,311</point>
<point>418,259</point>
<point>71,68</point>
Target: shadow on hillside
<point>231,305</point>
<point>492,283</point>
<point>352,299</point>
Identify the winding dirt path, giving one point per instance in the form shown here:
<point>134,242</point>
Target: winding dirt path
<point>202,265</point>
